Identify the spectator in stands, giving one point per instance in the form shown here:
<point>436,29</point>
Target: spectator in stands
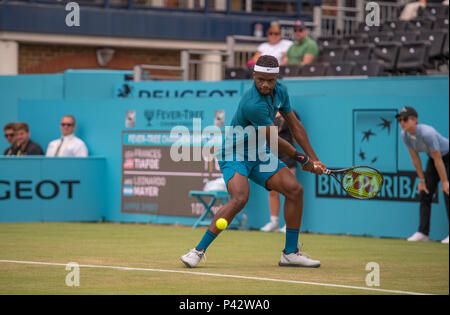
<point>423,138</point>
<point>276,46</point>
<point>9,135</point>
<point>68,144</point>
<point>410,11</point>
<point>304,51</point>
<point>24,145</point>
<point>274,197</point>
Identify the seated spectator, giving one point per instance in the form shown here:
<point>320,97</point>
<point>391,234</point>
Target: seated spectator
<point>9,135</point>
<point>24,145</point>
<point>410,11</point>
<point>276,46</point>
<point>304,51</point>
<point>68,145</point>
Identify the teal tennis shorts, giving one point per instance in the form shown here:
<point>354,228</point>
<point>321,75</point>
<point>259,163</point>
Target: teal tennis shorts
<point>249,169</point>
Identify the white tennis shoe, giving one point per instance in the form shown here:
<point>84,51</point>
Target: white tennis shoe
<point>272,226</point>
<point>418,237</point>
<point>192,258</point>
<point>297,259</point>
<point>445,240</point>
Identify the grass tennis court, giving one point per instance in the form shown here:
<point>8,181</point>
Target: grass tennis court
<point>239,262</point>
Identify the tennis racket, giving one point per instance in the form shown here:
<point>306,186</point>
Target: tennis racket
<point>361,182</point>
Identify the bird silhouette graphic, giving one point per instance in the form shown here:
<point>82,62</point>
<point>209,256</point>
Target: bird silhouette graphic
<point>362,155</point>
<point>386,124</point>
<point>367,135</point>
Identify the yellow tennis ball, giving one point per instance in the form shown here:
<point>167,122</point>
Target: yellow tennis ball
<point>221,224</point>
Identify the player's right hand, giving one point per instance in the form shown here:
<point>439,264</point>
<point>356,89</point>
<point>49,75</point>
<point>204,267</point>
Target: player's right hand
<point>315,167</point>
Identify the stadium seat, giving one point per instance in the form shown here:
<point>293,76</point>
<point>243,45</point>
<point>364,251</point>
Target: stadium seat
<point>359,52</point>
<point>441,23</point>
<point>406,37</point>
<point>354,40</point>
<point>420,25</point>
<point>437,39</point>
<point>313,70</point>
<point>289,71</point>
<point>372,68</point>
<point>344,68</point>
<point>384,36</point>
<point>328,41</point>
<point>332,54</point>
<point>237,74</point>
<point>363,28</point>
<point>413,56</point>
<point>437,10</point>
<point>387,52</point>
<point>395,26</point>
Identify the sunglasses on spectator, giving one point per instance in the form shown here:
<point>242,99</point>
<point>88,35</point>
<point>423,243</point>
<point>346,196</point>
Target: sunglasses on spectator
<point>273,33</point>
<point>66,125</point>
<point>298,30</point>
<point>400,119</point>
<point>9,135</point>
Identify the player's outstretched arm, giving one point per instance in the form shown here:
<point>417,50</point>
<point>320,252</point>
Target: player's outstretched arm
<point>305,161</point>
<point>300,135</point>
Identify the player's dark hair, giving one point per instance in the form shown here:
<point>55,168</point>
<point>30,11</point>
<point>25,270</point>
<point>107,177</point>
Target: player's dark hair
<point>267,61</point>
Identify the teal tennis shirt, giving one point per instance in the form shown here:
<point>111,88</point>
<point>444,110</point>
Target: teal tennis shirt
<point>254,111</point>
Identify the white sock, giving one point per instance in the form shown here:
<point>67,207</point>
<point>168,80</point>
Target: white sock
<point>274,219</point>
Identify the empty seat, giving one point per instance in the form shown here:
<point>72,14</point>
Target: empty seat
<point>237,74</point>
<point>327,41</point>
<point>373,68</point>
<point>441,23</point>
<point>436,39</point>
<point>344,68</point>
<point>314,70</point>
<point>413,56</point>
<point>385,36</point>
<point>420,25</point>
<point>437,10</point>
<point>395,26</point>
<point>387,52</point>
<point>354,40</point>
<point>363,28</point>
<point>289,71</point>
<point>406,37</point>
<point>359,52</point>
<point>332,54</point>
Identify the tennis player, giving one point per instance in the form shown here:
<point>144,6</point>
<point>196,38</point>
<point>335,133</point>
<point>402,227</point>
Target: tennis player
<point>257,109</point>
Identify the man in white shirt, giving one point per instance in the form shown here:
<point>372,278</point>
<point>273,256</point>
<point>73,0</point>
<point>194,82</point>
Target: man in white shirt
<point>68,145</point>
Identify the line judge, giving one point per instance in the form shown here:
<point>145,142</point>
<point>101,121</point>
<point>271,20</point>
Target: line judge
<point>68,145</point>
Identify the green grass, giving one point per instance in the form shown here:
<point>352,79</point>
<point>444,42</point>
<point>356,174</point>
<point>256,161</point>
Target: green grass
<point>412,267</point>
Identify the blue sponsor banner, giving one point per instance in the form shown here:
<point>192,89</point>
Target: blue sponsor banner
<point>335,113</point>
<point>52,189</point>
<point>175,90</point>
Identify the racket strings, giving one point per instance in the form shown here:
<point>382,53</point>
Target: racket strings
<point>362,183</point>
